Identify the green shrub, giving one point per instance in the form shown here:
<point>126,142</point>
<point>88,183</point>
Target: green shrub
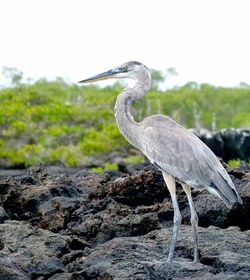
<point>234,162</point>
<point>55,121</point>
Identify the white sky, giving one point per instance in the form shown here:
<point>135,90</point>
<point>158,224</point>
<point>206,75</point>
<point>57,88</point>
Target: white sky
<point>205,40</point>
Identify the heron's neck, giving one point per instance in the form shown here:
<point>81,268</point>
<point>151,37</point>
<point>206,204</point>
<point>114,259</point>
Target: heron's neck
<point>126,123</point>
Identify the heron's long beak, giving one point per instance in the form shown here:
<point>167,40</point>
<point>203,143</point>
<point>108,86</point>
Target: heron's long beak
<point>103,76</point>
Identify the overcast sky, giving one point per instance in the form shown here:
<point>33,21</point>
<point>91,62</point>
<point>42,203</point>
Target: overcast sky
<point>205,40</point>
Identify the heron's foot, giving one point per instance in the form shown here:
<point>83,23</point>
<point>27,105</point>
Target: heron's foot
<point>196,260</point>
<point>171,252</point>
<point>158,270</point>
<point>163,266</point>
<point>170,260</point>
<point>196,256</point>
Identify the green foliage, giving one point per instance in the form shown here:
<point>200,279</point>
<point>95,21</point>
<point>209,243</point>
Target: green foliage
<point>55,121</point>
<point>107,167</point>
<point>134,159</point>
<point>234,163</point>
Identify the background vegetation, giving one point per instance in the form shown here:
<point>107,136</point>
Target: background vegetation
<point>52,121</point>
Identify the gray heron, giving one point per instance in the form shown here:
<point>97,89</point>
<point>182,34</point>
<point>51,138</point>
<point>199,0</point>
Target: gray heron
<point>178,153</point>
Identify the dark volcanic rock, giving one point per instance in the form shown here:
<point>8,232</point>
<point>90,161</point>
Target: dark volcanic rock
<point>29,251</point>
<point>224,254</point>
<point>143,188</point>
<point>94,226</point>
<point>3,215</point>
<point>124,206</point>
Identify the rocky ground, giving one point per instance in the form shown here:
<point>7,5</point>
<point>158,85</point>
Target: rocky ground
<point>116,226</point>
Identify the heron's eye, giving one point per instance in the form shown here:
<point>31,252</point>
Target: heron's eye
<point>124,69</point>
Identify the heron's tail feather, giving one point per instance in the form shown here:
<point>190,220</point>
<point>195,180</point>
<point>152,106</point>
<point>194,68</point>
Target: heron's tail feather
<point>225,189</point>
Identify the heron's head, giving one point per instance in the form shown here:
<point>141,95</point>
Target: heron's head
<point>132,70</point>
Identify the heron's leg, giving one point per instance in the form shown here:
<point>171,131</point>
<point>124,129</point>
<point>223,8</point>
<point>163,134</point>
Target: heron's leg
<point>194,221</point>
<point>170,181</point>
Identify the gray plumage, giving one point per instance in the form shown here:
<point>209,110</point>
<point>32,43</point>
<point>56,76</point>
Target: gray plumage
<point>188,158</point>
<point>178,153</point>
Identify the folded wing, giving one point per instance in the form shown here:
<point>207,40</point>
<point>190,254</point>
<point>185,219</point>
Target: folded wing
<point>179,153</point>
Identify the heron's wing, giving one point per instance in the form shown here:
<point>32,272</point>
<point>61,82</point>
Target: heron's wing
<point>179,153</point>
<point>174,150</point>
